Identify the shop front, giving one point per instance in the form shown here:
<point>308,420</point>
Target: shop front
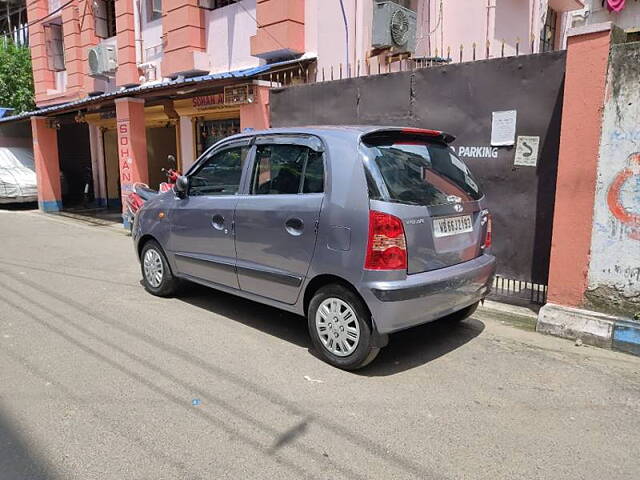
<point>161,141</point>
<point>209,117</point>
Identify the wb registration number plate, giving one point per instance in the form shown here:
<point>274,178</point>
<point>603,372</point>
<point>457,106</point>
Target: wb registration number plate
<point>443,227</point>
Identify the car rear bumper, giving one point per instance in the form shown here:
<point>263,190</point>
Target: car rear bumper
<point>427,296</point>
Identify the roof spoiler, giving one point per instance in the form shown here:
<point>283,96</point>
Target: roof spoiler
<point>436,135</point>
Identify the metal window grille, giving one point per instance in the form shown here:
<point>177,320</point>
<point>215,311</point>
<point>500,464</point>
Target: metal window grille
<point>154,10</point>
<point>104,14</point>
<point>548,37</point>
<point>213,4</point>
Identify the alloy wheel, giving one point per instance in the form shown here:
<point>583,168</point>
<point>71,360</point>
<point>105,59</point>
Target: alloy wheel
<point>337,327</point>
<point>153,268</point>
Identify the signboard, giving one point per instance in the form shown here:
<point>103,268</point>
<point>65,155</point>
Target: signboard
<point>208,101</point>
<point>503,128</point>
<point>233,95</point>
<point>238,94</point>
<point>527,151</point>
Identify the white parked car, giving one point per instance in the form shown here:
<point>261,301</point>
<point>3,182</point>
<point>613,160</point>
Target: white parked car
<point>17,175</point>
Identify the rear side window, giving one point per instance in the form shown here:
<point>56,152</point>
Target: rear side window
<point>417,172</point>
<point>287,169</point>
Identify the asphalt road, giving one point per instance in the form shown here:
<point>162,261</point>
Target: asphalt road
<point>99,380</point>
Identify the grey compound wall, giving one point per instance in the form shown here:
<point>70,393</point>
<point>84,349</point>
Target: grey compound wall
<point>614,268</point>
<point>460,99</point>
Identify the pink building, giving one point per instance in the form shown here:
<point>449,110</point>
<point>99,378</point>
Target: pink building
<point>122,84</point>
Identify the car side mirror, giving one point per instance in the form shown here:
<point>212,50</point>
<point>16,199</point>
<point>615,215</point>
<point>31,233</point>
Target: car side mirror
<point>182,186</point>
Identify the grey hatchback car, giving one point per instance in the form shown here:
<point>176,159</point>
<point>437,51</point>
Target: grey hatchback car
<point>363,230</point>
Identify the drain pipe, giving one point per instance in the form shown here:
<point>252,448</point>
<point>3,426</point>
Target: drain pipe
<point>346,31</point>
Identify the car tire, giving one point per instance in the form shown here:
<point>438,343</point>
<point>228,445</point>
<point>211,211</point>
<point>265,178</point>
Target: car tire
<point>333,330</point>
<point>157,277</point>
<point>463,314</point>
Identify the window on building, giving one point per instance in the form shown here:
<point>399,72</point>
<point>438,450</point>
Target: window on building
<point>410,4</point>
<point>154,10</point>
<point>548,34</point>
<point>104,13</point>
<point>213,4</point>
<point>211,131</point>
<point>55,46</point>
<point>287,169</point>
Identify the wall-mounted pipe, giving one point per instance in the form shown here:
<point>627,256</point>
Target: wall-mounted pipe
<point>346,31</point>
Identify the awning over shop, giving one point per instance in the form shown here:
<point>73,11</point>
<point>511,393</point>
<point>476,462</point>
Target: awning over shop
<point>167,84</point>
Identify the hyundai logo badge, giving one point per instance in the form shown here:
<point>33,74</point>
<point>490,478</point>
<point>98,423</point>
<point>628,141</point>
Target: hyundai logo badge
<point>457,207</point>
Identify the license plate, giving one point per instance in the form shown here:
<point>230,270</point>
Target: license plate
<point>443,227</point>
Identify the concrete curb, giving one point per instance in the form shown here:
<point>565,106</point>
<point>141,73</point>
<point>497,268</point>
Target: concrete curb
<point>592,328</point>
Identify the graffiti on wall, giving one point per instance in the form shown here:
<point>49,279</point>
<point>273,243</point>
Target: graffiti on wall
<point>623,197</point>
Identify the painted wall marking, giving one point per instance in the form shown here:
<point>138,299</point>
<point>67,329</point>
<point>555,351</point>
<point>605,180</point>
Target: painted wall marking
<point>627,212</point>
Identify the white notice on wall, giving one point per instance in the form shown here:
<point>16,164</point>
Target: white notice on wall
<point>527,151</point>
<point>503,128</point>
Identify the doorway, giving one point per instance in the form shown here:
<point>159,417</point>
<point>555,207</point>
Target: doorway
<point>76,176</point>
<point>161,142</point>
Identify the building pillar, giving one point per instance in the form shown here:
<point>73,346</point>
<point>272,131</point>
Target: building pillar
<point>43,77</point>
<point>88,39</point>
<point>132,145</point>
<point>255,115</point>
<point>280,29</point>
<point>73,55</point>
<point>584,96</point>
<point>97,165</point>
<point>183,24</point>
<point>45,154</point>
<point>127,73</point>
<point>187,147</point>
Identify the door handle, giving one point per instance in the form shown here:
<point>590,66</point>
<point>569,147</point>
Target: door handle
<point>294,226</point>
<point>217,221</point>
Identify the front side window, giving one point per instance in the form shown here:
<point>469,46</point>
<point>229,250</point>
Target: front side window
<point>418,172</point>
<point>220,174</point>
<point>287,169</point>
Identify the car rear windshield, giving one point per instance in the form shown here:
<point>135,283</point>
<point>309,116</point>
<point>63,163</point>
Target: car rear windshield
<point>412,170</point>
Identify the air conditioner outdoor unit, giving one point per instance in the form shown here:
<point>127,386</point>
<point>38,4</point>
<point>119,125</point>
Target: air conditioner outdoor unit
<point>393,27</point>
<point>102,60</point>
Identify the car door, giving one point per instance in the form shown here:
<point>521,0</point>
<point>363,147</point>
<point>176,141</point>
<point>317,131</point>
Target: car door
<point>202,222</point>
<point>276,223</point>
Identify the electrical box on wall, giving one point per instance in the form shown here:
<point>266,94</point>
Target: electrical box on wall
<point>102,61</point>
<point>394,26</point>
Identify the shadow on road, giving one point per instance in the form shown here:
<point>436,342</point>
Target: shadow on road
<point>19,206</point>
<point>420,345</point>
<point>406,350</point>
<point>17,460</point>
<point>269,320</point>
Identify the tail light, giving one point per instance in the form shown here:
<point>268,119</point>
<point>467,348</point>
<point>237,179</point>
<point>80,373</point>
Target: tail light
<point>387,245</point>
<point>487,238</point>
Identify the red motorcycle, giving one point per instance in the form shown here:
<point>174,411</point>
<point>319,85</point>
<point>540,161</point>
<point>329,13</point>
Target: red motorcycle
<point>140,192</point>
